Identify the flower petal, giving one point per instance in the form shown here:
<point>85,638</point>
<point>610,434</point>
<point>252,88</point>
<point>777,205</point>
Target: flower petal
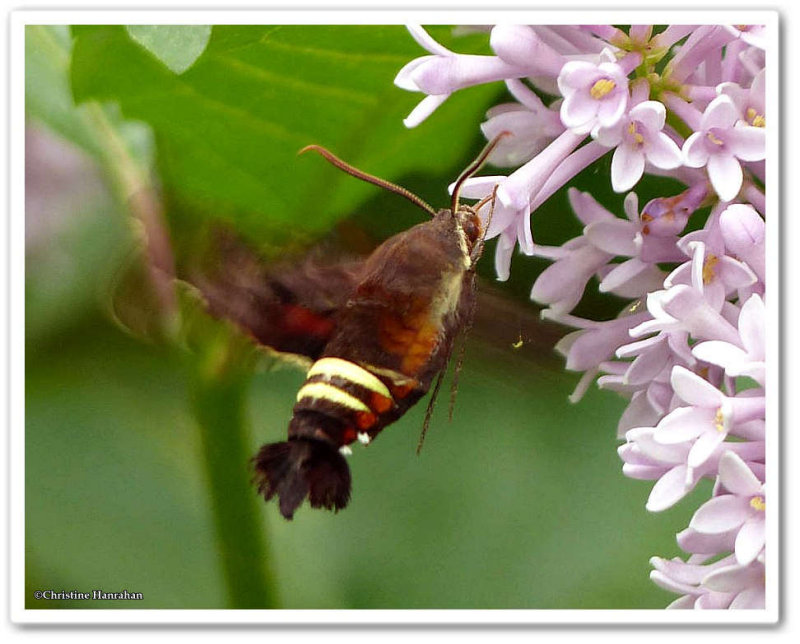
<point>576,74</point>
<point>735,274</point>
<point>713,601</point>
<point>587,208</point>
<point>578,111</point>
<point>695,390</point>
<point>648,365</point>
<point>751,327</point>
<point>747,143</point>
<point>425,40</point>
<point>627,167</point>
<point>734,578</point>
<point>695,152</point>
<point>721,514</point>
<point>423,110</point>
<point>750,540</point>
<point>612,109</point>
<point>520,45</point>
<point>615,236</point>
<point>725,174</point>
<point>736,476</point>
<point>683,424</point>
<point>704,447</point>
<point>720,113</point>
<point>663,152</point>
<point>622,274</point>
<point>403,79</point>
<point>651,114</point>
<point>753,598</point>
<point>722,354</point>
<point>502,256</point>
<point>669,489</point>
<point>686,602</point>
<point>696,542</point>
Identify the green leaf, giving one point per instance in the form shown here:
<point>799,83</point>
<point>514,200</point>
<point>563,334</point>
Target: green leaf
<point>48,100</point>
<point>228,129</point>
<point>177,46</point>
<point>47,93</point>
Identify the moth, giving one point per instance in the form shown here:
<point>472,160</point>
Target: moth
<point>379,333</point>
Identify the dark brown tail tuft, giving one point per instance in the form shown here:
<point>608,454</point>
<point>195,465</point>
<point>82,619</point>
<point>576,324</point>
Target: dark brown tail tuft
<point>303,468</point>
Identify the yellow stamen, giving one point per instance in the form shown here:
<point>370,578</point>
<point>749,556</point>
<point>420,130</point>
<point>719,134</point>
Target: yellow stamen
<point>708,269</point>
<point>638,138</point>
<point>719,421</point>
<point>754,118</point>
<point>757,503</point>
<point>602,88</point>
<point>715,140</point>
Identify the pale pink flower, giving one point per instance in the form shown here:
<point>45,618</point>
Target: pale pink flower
<point>594,95</point>
<point>720,143</point>
<point>638,137</point>
<point>750,102</point>
<point>532,124</point>
<point>743,232</point>
<point>747,358</point>
<point>644,457</point>
<point>721,584</point>
<point>708,419</point>
<point>742,510</point>
<point>711,271</point>
<point>444,72</point>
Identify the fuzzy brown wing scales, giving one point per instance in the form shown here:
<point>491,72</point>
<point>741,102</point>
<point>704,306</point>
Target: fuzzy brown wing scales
<point>290,307</point>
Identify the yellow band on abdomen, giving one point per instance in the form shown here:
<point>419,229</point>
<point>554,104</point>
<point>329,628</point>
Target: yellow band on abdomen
<point>339,368</point>
<point>324,391</point>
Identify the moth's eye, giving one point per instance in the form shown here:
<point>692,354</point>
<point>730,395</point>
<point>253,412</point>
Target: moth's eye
<point>472,228</point>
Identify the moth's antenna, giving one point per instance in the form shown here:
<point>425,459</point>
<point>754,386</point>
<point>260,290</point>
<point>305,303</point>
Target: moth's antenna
<point>360,174</point>
<point>473,167</point>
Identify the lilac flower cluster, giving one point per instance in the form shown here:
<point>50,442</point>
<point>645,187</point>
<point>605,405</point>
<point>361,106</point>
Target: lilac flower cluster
<point>688,349</point>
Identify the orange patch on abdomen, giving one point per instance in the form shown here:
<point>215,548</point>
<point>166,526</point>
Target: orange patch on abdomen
<point>413,337</point>
<point>379,404</point>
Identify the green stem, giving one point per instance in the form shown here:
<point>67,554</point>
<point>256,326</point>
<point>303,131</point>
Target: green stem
<point>219,403</point>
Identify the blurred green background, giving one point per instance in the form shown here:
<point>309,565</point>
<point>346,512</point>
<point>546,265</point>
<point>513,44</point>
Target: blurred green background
<point>137,446</point>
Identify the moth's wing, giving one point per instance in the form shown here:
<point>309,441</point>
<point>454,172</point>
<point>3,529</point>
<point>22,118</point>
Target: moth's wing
<point>289,307</point>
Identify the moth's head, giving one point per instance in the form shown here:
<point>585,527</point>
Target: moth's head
<point>466,220</point>
<point>470,223</point>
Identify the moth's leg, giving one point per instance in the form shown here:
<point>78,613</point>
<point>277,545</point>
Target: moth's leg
<point>462,350</point>
<point>431,404</point>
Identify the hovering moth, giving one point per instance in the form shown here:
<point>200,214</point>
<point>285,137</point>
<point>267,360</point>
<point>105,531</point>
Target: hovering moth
<point>380,333</point>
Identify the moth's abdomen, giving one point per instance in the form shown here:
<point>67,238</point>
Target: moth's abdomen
<point>351,399</point>
<point>339,402</point>
<point>296,469</point>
